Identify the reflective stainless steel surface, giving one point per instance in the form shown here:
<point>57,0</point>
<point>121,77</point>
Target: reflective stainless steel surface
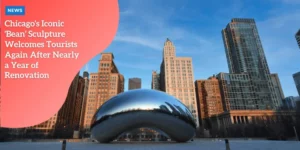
<point>143,108</point>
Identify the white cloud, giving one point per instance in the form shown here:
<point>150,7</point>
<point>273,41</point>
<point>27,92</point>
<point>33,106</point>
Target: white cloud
<point>278,38</point>
<point>138,40</point>
<point>126,12</point>
<point>151,26</point>
<point>138,66</point>
<point>282,21</point>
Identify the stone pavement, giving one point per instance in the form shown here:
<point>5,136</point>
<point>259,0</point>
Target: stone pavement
<point>197,144</point>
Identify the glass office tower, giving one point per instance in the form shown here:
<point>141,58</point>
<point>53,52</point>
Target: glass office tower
<point>245,55</point>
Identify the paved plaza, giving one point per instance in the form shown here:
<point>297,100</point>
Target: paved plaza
<point>198,144</point>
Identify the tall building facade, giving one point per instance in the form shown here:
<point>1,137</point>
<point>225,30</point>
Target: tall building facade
<point>103,85</point>
<point>85,96</point>
<point>237,92</point>
<point>296,77</point>
<point>245,55</point>
<point>290,102</point>
<point>155,81</point>
<point>177,78</point>
<point>134,83</point>
<point>68,117</point>
<point>209,98</point>
<point>298,37</point>
<point>277,87</point>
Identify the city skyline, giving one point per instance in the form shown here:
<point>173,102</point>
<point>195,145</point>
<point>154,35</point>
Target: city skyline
<point>136,45</point>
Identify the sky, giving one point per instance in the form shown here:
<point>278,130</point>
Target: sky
<point>195,27</point>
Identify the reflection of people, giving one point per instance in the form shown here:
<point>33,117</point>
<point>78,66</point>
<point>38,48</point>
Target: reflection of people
<point>180,110</point>
<point>175,111</point>
<point>165,108</point>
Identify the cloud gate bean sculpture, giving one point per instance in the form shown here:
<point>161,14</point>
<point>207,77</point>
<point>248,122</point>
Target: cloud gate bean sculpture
<point>143,108</point>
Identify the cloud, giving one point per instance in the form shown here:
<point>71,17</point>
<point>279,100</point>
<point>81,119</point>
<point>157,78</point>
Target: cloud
<point>151,24</point>
<point>282,21</point>
<point>138,66</point>
<point>126,12</point>
<point>146,56</point>
<point>233,9</point>
<point>138,40</point>
<point>282,57</point>
<point>278,37</point>
<point>277,33</point>
<point>154,38</point>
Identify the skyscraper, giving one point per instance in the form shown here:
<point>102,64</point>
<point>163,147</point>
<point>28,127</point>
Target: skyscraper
<point>134,83</point>
<point>208,98</point>
<point>85,94</point>
<point>177,77</point>
<point>296,77</point>
<point>68,117</point>
<point>245,55</point>
<point>298,37</point>
<point>155,81</point>
<point>290,102</point>
<point>277,86</point>
<point>236,92</point>
<point>103,85</point>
